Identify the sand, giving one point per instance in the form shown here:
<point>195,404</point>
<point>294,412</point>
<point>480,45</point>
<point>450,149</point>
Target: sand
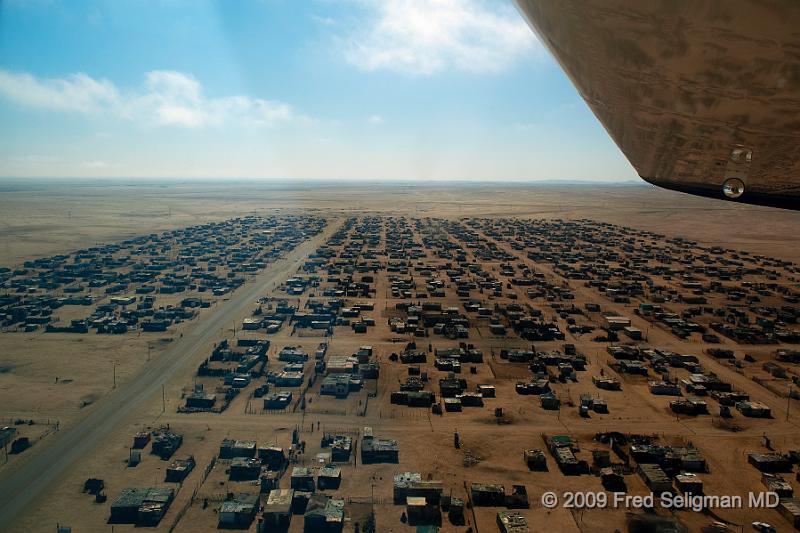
<point>55,218</point>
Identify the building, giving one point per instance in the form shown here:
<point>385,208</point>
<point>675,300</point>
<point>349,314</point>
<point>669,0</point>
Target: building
<point>239,511</point>
<point>633,333</point>
<point>512,522</point>
<point>278,509</point>
<point>471,399</point>
<point>376,450</point>
<point>754,409</point>
<point>655,478</point>
<point>664,388</point>
<point>342,364</point>
<point>549,401</point>
<point>421,512</point>
<point>290,354</point>
<point>7,435</point>
<point>144,506</point>
<point>272,456</point>
<point>688,482</point>
<point>455,510</point>
<point>200,400</point>
<point>289,379</point>
<point>518,499</point>
<point>778,485</point>
<point>278,400</point>
<point>166,443</point>
<point>689,407</point>
<point>341,446</point>
<point>141,439</point>
<point>270,480</point>
<point>300,501</point>
<point>488,495</point>
<point>411,484</point>
<point>606,383</point>
<point>244,469</point>
<point>452,405</point>
<point>329,477</point>
<point>790,509</point>
<point>323,514</point>
<point>612,480</point>
<point>487,391</point>
<point>179,469</point>
<point>230,448</point>
<point>535,459</point>
<point>422,398</point>
<point>302,479</point>
<point>252,323</point>
<point>336,385</point>
<point>615,323</point>
<point>770,462</point>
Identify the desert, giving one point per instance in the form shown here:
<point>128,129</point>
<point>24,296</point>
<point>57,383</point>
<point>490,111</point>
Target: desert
<point>314,354</point>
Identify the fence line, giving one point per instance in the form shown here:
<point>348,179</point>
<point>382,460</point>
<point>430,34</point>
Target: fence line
<point>209,467</point>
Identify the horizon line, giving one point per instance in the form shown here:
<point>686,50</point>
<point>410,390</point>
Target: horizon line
<point>533,181</point>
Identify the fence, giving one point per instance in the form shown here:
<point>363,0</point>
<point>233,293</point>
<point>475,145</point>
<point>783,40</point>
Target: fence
<point>29,421</point>
<point>315,411</point>
<point>365,500</point>
<point>182,511</point>
<point>353,432</point>
<point>412,413</point>
<point>51,426</point>
<point>309,332</point>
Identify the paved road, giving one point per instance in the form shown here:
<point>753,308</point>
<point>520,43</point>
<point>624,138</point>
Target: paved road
<point>57,453</point>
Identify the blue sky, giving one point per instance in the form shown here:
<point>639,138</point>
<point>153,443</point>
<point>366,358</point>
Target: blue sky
<point>348,89</point>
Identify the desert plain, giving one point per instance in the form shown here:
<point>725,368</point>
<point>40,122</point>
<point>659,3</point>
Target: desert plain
<point>396,257</point>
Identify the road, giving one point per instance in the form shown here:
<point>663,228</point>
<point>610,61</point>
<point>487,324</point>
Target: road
<point>51,458</point>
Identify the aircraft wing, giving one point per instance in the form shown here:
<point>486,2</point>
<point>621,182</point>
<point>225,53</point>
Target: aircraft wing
<point>702,96</point>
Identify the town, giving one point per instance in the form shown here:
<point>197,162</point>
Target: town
<point>431,372</point>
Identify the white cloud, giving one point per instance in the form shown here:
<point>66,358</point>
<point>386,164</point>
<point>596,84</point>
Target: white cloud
<point>78,92</point>
<point>422,37</point>
<point>166,98</point>
<point>375,119</point>
<point>95,164</point>
<point>324,21</point>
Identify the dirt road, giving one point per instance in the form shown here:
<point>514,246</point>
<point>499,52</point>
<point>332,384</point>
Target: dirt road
<point>22,485</point>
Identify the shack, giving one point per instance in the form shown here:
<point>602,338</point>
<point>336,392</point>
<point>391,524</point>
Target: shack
<point>179,469</point>
<point>655,478</point>
<point>411,484</point>
<point>377,450</point>
<point>512,522</point>
<point>329,477</point>
<point>244,469</point>
<point>484,495</point>
<point>790,509</point>
<point>278,509</point>
<point>302,479</point>
<point>239,511</point>
<point>144,506</point>
<point>323,514</point>
<point>230,448</point>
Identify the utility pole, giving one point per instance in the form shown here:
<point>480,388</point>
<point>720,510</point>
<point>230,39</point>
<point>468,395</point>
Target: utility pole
<point>788,402</point>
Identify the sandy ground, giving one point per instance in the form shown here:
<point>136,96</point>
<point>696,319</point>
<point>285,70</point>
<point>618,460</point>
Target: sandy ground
<point>45,218</point>
<point>34,225</point>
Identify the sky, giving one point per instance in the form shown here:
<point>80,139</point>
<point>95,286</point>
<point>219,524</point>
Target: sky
<point>310,89</point>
